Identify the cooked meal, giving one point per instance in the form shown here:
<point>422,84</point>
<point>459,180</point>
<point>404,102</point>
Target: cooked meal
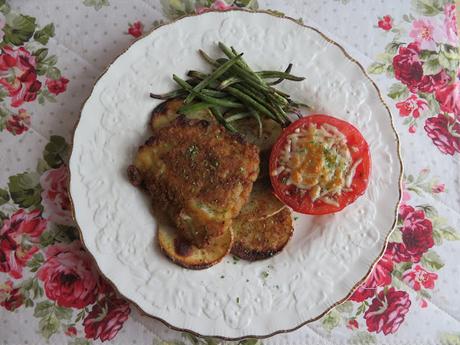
<point>226,163</point>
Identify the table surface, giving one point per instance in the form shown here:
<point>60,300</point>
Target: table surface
<point>52,53</point>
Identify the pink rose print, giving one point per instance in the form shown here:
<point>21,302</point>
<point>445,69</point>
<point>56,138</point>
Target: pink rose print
<point>380,276</point>
<point>18,75</point>
<point>417,232</point>
<point>19,237</point>
<point>387,311</point>
<point>386,23</point>
<point>10,297</point>
<point>438,188</point>
<point>425,33</point>
<point>450,23</point>
<point>55,197</point>
<point>430,83</point>
<point>412,129</point>
<point>18,123</point>
<point>69,276</point>
<point>412,106</point>
<point>449,98</point>
<point>105,321</point>
<point>419,277</point>
<point>423,303</point>
<point>57,86</point>
<point>445,133</point>
<point>136,29</point>
<point>218,5</point>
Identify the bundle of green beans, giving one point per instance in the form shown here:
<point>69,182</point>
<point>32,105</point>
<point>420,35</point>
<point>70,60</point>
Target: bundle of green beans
<point>233,91</point>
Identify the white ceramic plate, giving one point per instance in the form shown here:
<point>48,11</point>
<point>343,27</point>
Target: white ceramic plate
<point>327,256</point>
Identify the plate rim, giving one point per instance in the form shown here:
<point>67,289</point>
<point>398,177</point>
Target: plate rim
<point>355,286</point>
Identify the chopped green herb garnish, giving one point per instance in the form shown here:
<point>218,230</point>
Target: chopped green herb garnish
<point>264,274</point>
<point>192,151</point>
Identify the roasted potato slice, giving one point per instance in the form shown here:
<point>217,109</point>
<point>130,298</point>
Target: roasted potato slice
<point>249,129</point>
<point>262,203</point>
<point>187,255</point>
<point>261,239</point>
<point>165,113</point>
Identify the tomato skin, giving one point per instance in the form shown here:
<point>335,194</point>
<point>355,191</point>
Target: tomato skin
<point>360,180</point>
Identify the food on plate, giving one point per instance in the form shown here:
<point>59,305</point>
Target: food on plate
<point>234,92</point>
<point>257,239</point>
<point>211,138</point>
<point>319,165</point>
<point>190,256</point>
<point>199,174</point>
<point>262,203</point>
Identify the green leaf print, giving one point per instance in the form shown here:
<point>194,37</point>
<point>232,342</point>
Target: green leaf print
<point>331,320</point>
<point>4,196</point>
<point>56,151</point>
<point>432,66</point>
<point>376,68</point>
<point>428,7</point>
<point>450,339</point>
<point>97,4</point>
<point>79,341</point>
<point>25,189</point>
<point>398,91</point>
<point>432,261</point>
<point>18,29</point>
<point>346,307</point>
<point>48,326</point>
<point>36,262</point>
<point>42,36</point>
<point>362,338</point>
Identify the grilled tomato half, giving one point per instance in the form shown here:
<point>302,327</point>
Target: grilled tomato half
<point>319,165</point>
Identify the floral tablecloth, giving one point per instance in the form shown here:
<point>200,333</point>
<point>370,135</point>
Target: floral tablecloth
<point>51,53</point>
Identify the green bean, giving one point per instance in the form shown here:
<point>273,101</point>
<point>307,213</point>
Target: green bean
<point>228,82</point>
<point>169,95</point>
<point>218,115</point>
<point>252,103</point>
<point>259,121</point>
<point>207,58</point>
<point>212,100</point>
<point>237,117</point>
<point>191,108</point>
<point>212,77</point>
<point>214,93</point>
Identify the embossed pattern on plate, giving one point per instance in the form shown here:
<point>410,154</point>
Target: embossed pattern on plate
<point>327,255</point>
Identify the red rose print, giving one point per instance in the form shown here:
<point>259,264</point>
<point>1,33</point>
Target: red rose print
<point>18,75</point>
<point>10,297</point>
<point>445,133</point>
<point>385,23</point>
<point>55,197</point>
<point>69,276</point>
<point>430,83</point>
<point>19,237</point>
<point>408,69</point>
<point>438,188</point>
<point>57,86</point>
<point>105,322</point>
<point>136,29</point>
<point>380,276</point>
<point>352,324</point>
<point>423,303</point>
<point>417,231</point>
<point>407,66</point>
<point>71,331</point>
<point>387,311</point>
<point>18,124</point>
<point>449,99</point>
<point>412,106</point>
<point>412,129</point>
<point>399,253</point>
<point>419,277</point>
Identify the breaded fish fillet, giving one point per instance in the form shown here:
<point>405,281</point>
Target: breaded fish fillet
<point>199,174</point>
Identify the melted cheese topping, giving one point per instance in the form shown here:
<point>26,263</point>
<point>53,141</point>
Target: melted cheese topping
<point>317,161</point>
